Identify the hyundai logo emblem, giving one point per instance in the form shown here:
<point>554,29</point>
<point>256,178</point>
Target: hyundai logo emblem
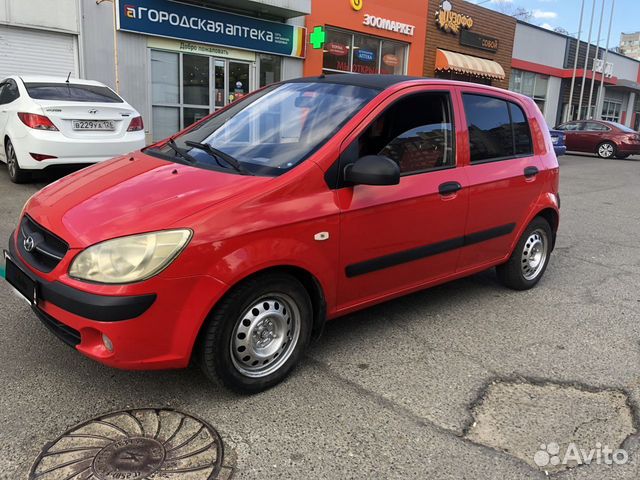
<point>93,111</point>
<point>29,243</point>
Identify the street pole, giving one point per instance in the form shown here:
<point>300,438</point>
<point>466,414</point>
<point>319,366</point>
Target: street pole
<point>593,64</point>
<point>567,112</point>
<point>600,100</point>
<point>586,61</point>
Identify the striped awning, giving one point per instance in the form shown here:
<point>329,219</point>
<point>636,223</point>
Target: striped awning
<point>460,63</point>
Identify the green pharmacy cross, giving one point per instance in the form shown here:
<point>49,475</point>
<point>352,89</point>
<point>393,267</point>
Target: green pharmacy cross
<point>318,37</point>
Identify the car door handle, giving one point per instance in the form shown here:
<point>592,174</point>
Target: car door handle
<point>449,187</point>
<point>530,172</point>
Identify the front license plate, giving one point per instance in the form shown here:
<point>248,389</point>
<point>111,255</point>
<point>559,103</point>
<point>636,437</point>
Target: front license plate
<point>20,280</point>
<point>93,125</point>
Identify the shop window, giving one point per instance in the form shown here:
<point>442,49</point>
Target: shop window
<point>358,53</point>
<point>416,132</point>
<point>166,121</point>
<point>365,54</point>
<point>195,80</point>
<point>611,111</point>
<point>270,69</point>
<point>530,84</point>
<point>393,58</point>
<point>165,77</point>
<point>497,129</point>
<point>337,51</point>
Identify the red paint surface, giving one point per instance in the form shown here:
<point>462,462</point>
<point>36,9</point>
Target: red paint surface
<point>243,225</point>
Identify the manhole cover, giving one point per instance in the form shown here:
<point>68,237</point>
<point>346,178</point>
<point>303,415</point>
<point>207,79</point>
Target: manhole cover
<point>135,444</point>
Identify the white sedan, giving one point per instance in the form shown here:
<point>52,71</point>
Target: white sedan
<point>47,121</point>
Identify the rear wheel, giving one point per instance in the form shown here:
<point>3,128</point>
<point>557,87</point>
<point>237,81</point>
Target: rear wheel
<point>606,150</point>
<point>16,174</point>
<point>257,333</point>
<point>529,260</point>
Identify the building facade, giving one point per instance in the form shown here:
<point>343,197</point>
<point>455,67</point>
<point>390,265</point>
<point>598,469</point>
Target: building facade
<point>468,42</point>
<point>178,62</point>
<point>37,39</point>
<point>365,36</point>
<point>542,68</point>
<point>630,45</point>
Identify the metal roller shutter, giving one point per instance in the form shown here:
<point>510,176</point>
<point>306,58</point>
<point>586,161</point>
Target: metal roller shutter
<point>36,52</point>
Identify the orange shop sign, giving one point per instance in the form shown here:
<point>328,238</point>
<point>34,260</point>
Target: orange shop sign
<point>450,21</point>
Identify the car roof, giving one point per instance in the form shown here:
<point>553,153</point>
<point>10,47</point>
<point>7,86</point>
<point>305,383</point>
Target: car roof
<point>55,79</point>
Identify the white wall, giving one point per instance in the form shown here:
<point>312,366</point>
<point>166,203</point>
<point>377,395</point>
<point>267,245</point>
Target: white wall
<point>60,15</point>
<point>532,44</point>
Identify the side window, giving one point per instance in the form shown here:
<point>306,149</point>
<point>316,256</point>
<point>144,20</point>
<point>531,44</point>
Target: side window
<point>498,129</point>
<point>521,131</point>
<point>416,132</point>
<point>9,92</point>
<point>571,127</point>
<point>595,127</point>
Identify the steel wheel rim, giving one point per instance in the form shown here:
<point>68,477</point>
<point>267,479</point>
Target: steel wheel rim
<point>605,150</point>
<point>265,335</point>
<point>11,160</point>
<point>534,254</point>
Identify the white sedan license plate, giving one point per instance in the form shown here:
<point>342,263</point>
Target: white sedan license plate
<point>93,125</point>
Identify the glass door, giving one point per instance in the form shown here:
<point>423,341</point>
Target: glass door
<point>219,82</point>
<point>239,80</point>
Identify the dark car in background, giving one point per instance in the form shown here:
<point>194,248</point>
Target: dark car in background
<point>605,139</point>
<point>557,138</point>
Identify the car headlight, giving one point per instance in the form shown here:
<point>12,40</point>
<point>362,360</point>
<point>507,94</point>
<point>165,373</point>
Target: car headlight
<point>129,259</point>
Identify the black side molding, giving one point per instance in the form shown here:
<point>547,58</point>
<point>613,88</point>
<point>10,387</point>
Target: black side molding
<point>387,261</point>
<point>101,308</point>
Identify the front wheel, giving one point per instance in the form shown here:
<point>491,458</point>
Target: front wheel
<point>606,150</point>
<point>529,260</point>
<point>257,333</point>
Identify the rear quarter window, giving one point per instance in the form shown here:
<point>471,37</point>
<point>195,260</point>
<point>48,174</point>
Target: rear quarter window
<point>72,92</point>
<point>498,129</point>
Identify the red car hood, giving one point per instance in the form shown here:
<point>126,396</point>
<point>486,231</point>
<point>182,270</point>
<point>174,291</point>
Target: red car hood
<point>123,197</point>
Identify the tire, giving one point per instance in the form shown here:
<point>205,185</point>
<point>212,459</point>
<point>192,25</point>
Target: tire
<point>525,267</point>
<point>16,174</point>
<point>257,333</point>
<point>606,150</point>
<point>622,156</point>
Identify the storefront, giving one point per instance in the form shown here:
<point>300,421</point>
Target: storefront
<point>365,36</point>
<point>177,62</point>
<point>469,43</point>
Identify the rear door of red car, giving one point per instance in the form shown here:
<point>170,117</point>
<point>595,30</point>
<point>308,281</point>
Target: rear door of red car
<point>503,174</point>
<point>401,236</point>
<point>592,134</point>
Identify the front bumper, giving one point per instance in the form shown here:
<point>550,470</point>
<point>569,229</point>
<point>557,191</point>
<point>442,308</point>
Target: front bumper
<point>148,330</point>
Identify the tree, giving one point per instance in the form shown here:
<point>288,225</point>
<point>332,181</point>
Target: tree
<point>561,30</point>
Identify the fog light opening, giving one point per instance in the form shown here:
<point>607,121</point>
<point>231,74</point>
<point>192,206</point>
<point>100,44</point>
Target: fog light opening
<point>108,344</point>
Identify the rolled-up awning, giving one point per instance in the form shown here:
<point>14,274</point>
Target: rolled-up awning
<point>460,63</point>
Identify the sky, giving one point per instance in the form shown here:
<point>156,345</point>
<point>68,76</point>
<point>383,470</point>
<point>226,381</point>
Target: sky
<point>566,14</point>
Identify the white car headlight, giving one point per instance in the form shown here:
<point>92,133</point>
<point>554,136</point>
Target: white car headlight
<point>129,259</point>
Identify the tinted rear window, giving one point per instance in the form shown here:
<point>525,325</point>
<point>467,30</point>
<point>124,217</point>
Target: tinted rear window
<point>497,129</point>
<point>70,92</point>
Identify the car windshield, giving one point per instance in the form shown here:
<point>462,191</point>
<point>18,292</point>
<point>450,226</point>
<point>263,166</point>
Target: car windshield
<point>275,129</point>
<point>72,92</point>
<point>624,128</point>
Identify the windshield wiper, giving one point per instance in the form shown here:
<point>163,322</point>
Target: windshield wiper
<point>215,153</point>
<point>180,152</point>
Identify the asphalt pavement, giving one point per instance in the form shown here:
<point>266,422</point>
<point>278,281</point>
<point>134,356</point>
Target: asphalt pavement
<point>468,380</point>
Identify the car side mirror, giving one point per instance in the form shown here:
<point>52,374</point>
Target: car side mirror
<point>373,170</point>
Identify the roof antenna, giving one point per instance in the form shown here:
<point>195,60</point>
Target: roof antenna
<point>68,76</point>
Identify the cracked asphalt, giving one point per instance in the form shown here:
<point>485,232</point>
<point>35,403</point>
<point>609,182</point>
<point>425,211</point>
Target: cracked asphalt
<point>398,390</point>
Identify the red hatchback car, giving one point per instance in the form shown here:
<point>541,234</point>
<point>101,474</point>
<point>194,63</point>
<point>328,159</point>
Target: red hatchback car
<point>605,139</point>
<point>234,241</point>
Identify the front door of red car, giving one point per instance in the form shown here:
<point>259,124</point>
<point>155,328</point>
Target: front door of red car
<point>396,237</point>
<point>572,135</point>
<point>503,174</point>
